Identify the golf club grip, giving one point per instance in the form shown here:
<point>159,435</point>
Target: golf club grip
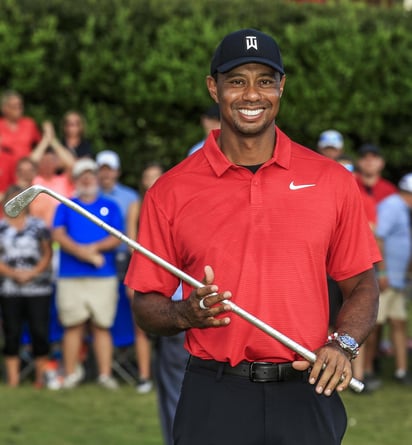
<point>23,199</point>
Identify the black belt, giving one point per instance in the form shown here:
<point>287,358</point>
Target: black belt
<point>255,371</point>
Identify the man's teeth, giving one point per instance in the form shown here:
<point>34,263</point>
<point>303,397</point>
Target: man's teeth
<point>251,112</point>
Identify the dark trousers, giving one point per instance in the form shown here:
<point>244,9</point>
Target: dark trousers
<point>33,310</point>
<point>223,409</point>
<point>170,365</point>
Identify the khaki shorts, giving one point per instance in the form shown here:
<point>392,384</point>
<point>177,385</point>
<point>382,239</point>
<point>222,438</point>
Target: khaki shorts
<point>81,299</point>
<point>392,304</point>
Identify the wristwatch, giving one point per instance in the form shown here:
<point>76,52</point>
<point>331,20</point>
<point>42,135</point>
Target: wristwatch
<point>347,343</point>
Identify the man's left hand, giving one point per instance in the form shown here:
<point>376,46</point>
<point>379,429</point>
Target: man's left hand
<point>332,369</point>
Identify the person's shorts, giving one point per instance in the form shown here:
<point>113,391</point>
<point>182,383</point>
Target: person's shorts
<point>81,299</point>
<point>392,305</point>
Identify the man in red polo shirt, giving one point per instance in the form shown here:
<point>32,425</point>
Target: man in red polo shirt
<point>18,133</point>
<point>370,166</point>
<point>263,220</point>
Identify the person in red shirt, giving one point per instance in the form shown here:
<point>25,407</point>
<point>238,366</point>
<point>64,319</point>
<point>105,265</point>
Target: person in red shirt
<point>18,133</point>
<point>369,176</point>
<point>7,172</point>
<point>7,175</point>
<point>263,220</point>
<point>370,166</point>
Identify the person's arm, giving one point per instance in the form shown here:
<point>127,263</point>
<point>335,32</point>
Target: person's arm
<point>49,139</point>
<point>110,242</point>
<point>66,157</point>
<point>158,314</point>
<point>132,219</point>
<point>381,266</point>
<point>83,252</point>
<point>332,369</point>
<point>357,316</point>
<point>7,271</point>
<point>25,275</point>
<point>40,148</point>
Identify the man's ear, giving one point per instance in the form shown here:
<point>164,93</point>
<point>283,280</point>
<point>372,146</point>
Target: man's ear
<point>212,87</point>
<point>282,85</point>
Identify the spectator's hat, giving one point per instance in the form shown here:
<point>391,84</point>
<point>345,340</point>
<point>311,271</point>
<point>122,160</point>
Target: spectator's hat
<point>405,183</point>
<point>109,158</point>
<point>330,138</point>
<point>369,148</point>
<point>213,112</point>
<point>246,46</point>
<point>83,165</point>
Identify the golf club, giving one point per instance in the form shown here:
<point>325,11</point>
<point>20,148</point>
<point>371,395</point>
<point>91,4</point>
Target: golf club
<point>23,199</point>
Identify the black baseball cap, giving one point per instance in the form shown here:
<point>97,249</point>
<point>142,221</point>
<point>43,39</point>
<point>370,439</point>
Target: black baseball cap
<point>213,112</point>
<point>246,46</point>
<point>369,148</point>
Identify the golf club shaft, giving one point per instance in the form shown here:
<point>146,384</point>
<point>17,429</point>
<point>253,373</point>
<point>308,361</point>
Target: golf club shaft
<point>15,205</point>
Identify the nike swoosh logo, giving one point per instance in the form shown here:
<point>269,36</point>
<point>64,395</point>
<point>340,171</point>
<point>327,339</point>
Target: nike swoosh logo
<point>292,186</point>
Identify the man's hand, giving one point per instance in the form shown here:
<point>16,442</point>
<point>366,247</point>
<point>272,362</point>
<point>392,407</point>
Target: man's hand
<point>332,369</point>
<point>90,254</point>
<point>204,305</point>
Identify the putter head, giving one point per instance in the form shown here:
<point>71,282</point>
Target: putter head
<point>22,200</point>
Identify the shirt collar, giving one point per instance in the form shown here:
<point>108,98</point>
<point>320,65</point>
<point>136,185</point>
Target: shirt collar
<point>219,162</point>
<point>112,193</point>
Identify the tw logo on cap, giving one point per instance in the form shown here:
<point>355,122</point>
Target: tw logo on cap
<point>251,42</point>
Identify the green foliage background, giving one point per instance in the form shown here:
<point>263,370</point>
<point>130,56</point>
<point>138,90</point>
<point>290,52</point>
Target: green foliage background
<point>137,68</point>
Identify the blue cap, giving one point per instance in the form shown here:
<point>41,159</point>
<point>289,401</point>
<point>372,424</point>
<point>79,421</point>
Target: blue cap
<point>330,138</point>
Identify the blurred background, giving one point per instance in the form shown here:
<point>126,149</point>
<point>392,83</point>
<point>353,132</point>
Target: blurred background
<point>136,69</point>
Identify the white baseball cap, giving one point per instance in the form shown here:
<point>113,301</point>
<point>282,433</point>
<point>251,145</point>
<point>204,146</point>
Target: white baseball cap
<point>405,183</point>
<point>83,165</point>
<point>330,138</point>
<point>109,158</point>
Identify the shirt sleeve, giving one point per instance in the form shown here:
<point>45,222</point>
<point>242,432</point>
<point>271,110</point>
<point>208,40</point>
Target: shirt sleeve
<point>36,134</point>
<point>353,248</point>
<point>45,233</point>
<point>154,234</point>
<point>59,216</point>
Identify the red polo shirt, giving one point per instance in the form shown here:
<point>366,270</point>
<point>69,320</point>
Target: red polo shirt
<point>19,141</point>
<point>7,171</point>
<point>7,175</point>
<point>271,238</point>
<point>381,190</point>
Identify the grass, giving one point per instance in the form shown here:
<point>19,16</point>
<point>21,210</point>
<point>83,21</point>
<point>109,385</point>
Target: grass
<point>94,416</point>
<point>90,415</point>
<point>385,416</point>
<point>381,418</point>
<point>87,415</point>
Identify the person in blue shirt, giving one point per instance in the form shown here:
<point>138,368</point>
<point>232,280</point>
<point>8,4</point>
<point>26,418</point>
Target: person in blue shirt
<point>393,232</point>
<point>87,281</point>
<point>128,199</point>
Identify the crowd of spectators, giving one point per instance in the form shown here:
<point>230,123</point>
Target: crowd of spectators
<point>388,209</point>
<point>48,252</point>
<point>48,240</point>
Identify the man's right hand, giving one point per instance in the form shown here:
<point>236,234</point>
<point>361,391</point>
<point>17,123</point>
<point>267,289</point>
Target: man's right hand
<point>205,305</point>
<point>89,254</point>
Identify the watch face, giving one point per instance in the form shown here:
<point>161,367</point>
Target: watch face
<point>348,341</point>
